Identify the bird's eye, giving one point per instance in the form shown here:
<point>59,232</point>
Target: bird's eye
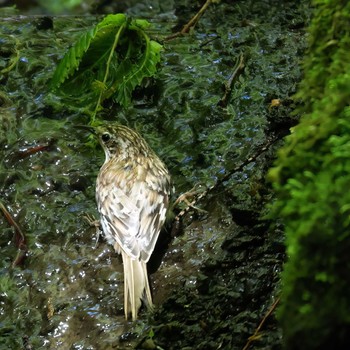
<point>105,137</point>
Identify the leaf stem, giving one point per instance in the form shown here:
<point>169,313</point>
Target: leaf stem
<point>20,238</point>
<point>115,43</point>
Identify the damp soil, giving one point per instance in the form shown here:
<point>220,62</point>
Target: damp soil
<point>216,274</point>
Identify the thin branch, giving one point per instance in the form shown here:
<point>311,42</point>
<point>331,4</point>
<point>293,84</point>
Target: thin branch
<point>26,152</point>
<point>194,20</point>
<point>239,66</point>
<point>227,176</point>
<point>191,23</point>
<point>19,237</point>
<point>257,334</point>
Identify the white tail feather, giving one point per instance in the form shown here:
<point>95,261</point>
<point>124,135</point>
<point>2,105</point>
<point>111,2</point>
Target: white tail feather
<point>136,286</point>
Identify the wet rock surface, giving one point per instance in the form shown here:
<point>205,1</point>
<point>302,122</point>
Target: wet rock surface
<point>213,279</point>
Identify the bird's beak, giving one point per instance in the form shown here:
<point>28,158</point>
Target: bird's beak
<point>87,127</point>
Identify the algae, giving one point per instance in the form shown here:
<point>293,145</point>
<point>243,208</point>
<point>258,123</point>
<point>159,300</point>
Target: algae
<point>310,176</point>
<point>218,277</point>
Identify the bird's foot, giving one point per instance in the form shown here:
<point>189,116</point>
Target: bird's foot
<point>190,198</point>
<point>90,219</point>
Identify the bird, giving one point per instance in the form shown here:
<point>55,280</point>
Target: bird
<point>132,193</point>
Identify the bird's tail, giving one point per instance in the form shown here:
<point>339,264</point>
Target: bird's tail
<point>136,286</point>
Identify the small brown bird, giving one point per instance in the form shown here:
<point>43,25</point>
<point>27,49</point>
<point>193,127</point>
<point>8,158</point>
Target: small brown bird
<point>132,193</point>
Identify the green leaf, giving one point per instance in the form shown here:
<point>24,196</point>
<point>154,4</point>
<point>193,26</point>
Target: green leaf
<point>97,40</point>
<point>108,61</point>
<point>134,72</point>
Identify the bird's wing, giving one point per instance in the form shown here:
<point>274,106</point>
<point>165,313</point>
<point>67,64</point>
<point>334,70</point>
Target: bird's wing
<point>152,215</point>
<point>133,216</point>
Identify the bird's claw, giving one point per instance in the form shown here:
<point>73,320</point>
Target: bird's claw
<point>90,219</point>
<point>189,198</point>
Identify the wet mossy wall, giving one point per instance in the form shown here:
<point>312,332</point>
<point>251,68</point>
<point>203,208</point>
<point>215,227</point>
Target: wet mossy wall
<point>217,277</point>
<point>312,176</point>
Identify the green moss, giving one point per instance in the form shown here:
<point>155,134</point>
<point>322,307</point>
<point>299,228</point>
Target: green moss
<point>311,177</point>
<point>216,280</point>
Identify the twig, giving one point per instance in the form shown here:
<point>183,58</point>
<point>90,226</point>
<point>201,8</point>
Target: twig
<point>26,152</point>
<point>256,334</point>
<point>204,193</point>
<point>239,66</point>
<point>191,23</point>
<point>20,239</point>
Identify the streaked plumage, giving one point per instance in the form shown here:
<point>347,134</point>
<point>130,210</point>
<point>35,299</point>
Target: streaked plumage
<point>132,193</point>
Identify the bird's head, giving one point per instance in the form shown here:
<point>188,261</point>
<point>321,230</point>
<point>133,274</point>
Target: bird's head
<point>120,141</point>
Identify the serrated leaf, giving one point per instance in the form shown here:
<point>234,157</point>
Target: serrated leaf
<point>72,59</point>
<point>133,74</point>
<point>109,60</point>
<point>98,39</point>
